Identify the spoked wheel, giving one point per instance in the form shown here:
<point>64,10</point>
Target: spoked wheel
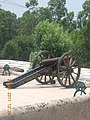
<point>68,70</point>
<point>46,77</point>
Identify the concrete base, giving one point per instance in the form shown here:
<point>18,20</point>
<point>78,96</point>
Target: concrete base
<point>77,108</point>
<point>34,101</point>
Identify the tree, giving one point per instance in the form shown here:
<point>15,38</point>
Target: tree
<point>18,48</point>
<point>10,51</point>
<point>25,46</point>
<point>32,4</point>
<point>57,8</point>
<point>68,22</point>
<point>44,14</point>
<point>81,19</point>
<point>86,33</point>
<point>27,23</point>
<point>81,46</point>
<point>7,26</point>
<point>50,36</point>
<point>86,8</point>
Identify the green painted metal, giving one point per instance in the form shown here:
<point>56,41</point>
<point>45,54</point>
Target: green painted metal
<point>80,87</point>
<point>6,70</point>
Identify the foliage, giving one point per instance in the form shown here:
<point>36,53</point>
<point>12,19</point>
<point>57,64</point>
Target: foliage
<point>57,8</point>
<point>50,36</point>
<point>10,51</point>
<point>44,14</point>
<point>86,34</point>
<point>86,8</point>
<point>79,48</point>
<point>7,26</point>
<point>18,48</point>
<point>52,28</point>
<point>68,22</point>
<point>33,56</point>
<point>25,45</point>
<point>27,23</point>
<point>31,4</point>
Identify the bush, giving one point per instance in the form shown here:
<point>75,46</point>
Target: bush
<point>18,48</point>
<point>10,51</point>
<point>50,36</point>
<point>80,49</point>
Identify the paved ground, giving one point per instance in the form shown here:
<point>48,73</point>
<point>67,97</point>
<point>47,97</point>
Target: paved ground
<point>32,93</point>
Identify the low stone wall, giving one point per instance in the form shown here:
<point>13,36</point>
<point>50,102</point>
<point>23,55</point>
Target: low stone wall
<point>77,108</point>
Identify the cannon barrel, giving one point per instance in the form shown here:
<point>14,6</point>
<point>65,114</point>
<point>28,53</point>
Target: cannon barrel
<point>49,61</point>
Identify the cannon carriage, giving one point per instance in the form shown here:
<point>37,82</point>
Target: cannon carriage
<point>46,70</point>
<point>65,69</point>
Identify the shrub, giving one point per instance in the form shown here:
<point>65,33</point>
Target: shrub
<point>51,36</point>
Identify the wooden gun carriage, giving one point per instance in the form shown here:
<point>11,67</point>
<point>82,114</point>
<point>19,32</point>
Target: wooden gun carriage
<point>46,69</point>
<point>66,69</point>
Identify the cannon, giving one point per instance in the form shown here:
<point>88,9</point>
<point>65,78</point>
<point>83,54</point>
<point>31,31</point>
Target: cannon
<point>46,70</point>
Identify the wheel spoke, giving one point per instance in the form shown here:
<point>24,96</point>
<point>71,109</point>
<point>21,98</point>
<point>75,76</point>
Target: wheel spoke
<point>41,78</point>
<point>72,78</point>
<point>48,56</point>
<point>60,73</point>
<point>75,67</point>
<point>65,62</point>
<point>63,76</point>
<point>45,78</point>
<point>41,57</point>
<point>73,63</point>
<point>75,73</point>
<point>66,80</point>
<point>69,80</point>
<point>50,77</point>
<point>68,60</point>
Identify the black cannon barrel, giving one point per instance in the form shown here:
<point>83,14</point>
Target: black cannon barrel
<point>29,76</point>
<point>50,61</point>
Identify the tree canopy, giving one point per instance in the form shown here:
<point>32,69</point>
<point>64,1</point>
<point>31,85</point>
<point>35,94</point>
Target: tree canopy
<point>52,28</point>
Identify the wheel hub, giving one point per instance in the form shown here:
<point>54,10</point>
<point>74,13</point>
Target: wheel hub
<point>69,70</point>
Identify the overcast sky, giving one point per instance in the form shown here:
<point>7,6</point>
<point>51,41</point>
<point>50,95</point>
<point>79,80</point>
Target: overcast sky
<point>14,5</point>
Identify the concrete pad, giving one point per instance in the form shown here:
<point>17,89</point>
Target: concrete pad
<point>32,92</point>
<point>25,101</point>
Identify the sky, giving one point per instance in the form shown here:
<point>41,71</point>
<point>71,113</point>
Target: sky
<point>18,6</point>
